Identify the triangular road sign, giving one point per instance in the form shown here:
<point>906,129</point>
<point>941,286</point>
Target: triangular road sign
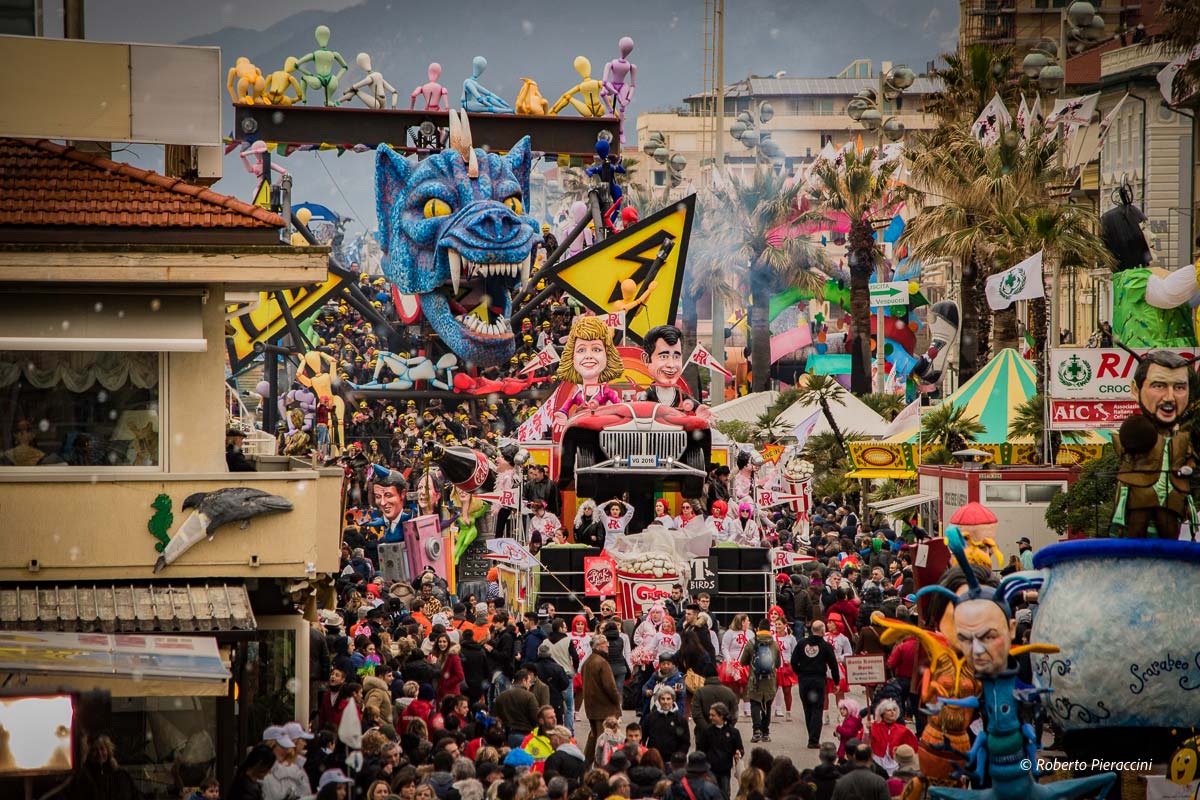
<point>594,276</point>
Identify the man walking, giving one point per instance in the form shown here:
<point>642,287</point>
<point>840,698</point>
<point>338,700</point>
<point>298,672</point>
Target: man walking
<point>812,659</point>
<point>600,696</point>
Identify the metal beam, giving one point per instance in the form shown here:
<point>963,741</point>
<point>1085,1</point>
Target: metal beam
<point>300,125</point>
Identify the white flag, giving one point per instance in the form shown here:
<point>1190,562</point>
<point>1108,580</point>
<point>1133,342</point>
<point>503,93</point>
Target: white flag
<point>1166,76</point>
<point>702,358</point>
<point>1022,282</point>
<point>908,416</point>
<point>1071,113</point>
<point>805,429</point>
<point>1022,115</point>
<point>542,359</point>
<point>535,427</point>
<point>1035,116</point>
<point>991,122</point>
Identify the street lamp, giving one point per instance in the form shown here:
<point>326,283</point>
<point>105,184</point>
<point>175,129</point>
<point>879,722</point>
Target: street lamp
<point>656,147</point>
<point>866,108</point>
<point>1042,64</point>
<point>749,129</point>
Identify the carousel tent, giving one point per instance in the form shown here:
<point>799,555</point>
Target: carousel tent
<point>852,415</point>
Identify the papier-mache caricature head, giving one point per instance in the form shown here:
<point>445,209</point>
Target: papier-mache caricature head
<point>589,356</point>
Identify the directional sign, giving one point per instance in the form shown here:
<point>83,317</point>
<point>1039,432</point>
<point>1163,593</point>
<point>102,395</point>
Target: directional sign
<point>893,293</point>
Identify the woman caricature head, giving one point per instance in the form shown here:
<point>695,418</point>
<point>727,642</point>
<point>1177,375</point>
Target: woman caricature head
<point>589,356</point>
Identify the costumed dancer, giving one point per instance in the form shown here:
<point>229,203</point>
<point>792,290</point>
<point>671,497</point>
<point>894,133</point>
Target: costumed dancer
<point>786,675</point>
<point>666,640</point>
<point>617,516</point>
<point>594,360</point>
<point>731,671</point>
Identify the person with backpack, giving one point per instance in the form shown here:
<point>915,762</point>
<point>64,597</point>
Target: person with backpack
<point>761,655</point>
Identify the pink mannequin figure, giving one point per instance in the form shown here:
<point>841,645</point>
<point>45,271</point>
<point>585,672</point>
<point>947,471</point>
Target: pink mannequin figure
<point>433,91</point>
<point>255,168</point>
<point>620,79</point>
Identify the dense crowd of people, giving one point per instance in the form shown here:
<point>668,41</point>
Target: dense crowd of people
<point>463,698</point>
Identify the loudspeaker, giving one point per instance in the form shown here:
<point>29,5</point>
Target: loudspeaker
<point>391,557</point>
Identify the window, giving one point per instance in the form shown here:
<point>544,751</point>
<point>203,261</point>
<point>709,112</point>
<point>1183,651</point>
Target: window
<point>1001,493</point>
<point>823,106</point>
<point>1041,492</point>
<point>660,177</point>
<point>83,409</point>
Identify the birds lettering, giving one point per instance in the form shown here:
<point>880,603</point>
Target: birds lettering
<point>211,510</point>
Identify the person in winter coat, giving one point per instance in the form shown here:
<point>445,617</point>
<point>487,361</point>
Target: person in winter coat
<point>450,669</point>
<point>696,783</point>
<point>707,696</point>
<point>377,695</point>
<point>341,656</point>
<point>722,744</point>
<point>551,673</point>
<point>601,697</point>
<point>567,759</point>
<point>421,708</point>
<point>888,732</point>
<point>476,675</point>
<point>825,775</point>
<point>588,529</point>
<point>247,783</point>
<point>646,774</point>
<point>100,776</point>
<point>667,674</point>
<point>850,726</point>
<point>563,651</point>
<point>872,601</point>
<point>663,728</point>
<point>761,658</point>
<point>286,780</point>
<point>502,648</point>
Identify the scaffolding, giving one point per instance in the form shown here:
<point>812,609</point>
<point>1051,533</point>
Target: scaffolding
<point>992,22</point>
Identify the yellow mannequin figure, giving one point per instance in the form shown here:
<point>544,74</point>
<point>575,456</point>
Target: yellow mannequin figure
<point>314,375</point>
<point>249,80</point>
<point>589,88</point>
<point>297,238</point>
<point>530,100</point>
<point>278,82</point>
<point>630,300</point>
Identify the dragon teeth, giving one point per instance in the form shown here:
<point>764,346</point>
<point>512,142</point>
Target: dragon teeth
<point>456,265</point>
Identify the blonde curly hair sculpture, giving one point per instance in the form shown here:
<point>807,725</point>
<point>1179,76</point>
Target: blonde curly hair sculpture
<point>589,329</point>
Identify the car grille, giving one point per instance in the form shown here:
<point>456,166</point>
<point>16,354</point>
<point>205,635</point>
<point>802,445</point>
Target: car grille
<point>664,444</point>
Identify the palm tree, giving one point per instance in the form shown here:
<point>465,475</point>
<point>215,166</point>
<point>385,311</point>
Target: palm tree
<point>707,273</point>
<point>991,208</point>
<point>860,190</point>
<point>949,426</point>
<point>753,210</point>
<point>1181,26</point>
<point>885,405</point>
<point>1029,421</point>
<point>969,81</point>
<point>824,391</point>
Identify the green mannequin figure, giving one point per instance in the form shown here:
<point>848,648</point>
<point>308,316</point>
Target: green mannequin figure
<point>323,60</point>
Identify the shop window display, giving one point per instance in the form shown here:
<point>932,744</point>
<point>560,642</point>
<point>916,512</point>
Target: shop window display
<point>83,409</point>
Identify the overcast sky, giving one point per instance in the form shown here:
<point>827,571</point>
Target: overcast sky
<point>537,38</point>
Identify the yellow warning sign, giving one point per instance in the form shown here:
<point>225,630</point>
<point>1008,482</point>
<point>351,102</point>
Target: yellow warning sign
<point>618,273</point>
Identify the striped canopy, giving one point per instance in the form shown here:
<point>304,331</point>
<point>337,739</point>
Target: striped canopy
<point>994,393</point>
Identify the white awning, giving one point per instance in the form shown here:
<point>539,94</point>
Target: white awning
<point>194,661</point>
<point>896,504</point>
<point>101,322</point>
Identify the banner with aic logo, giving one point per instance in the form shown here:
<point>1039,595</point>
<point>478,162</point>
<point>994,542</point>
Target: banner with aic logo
<point>1090,388</point>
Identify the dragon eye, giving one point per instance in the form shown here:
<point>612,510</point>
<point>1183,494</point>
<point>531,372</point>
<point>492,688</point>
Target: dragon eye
<point>436,208</point>
<point>514,205</point>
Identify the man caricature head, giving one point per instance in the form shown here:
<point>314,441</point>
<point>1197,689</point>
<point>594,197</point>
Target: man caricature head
<point>1164,385</point>
<point>662,353</point>
<point>388,493</point>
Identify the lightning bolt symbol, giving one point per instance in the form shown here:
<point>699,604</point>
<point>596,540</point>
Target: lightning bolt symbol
<point>642,275</point>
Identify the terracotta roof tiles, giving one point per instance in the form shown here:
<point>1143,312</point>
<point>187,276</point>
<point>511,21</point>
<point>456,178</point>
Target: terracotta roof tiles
<point>45,184</point>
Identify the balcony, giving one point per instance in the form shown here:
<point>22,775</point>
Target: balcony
<point>93,526</point>
<point>1135,57</point>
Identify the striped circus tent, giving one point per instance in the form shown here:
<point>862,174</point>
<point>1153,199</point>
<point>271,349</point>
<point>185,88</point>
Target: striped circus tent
<point>993,394</point>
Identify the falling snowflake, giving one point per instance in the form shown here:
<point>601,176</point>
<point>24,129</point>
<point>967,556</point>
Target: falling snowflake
<point>527,27</point>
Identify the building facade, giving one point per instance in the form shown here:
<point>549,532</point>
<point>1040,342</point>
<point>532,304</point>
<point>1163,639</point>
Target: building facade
<point>1021,24</point>
<point>808,113</point>
<point>114,285</point>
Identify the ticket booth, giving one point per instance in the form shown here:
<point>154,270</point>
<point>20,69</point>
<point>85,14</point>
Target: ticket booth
<point>1017,495</point>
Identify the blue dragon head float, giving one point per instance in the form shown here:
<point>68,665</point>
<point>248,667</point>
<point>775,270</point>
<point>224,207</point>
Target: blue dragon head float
<point>455,234</point>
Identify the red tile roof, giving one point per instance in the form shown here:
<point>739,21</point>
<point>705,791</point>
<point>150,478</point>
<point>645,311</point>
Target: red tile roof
<point>47,184</point>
